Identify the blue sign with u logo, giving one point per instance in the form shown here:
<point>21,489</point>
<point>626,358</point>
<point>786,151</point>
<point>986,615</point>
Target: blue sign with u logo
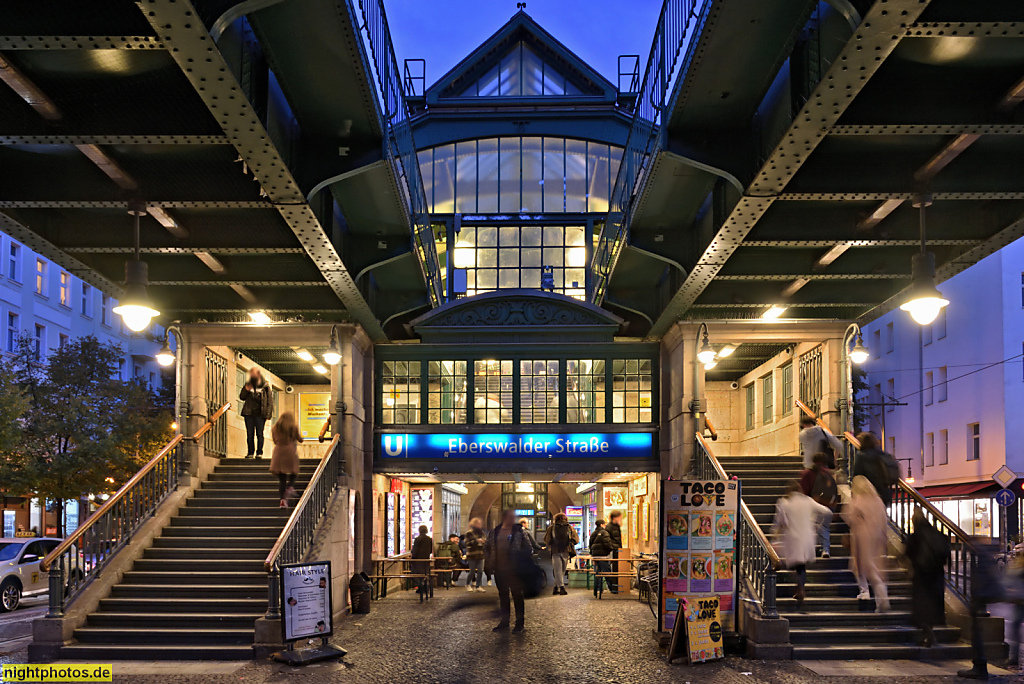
<point>531,445</point>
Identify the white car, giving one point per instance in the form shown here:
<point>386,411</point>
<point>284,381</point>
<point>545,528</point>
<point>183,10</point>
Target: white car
<point>20,574</point>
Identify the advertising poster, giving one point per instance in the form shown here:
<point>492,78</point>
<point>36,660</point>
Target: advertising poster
<point>615,498</point>
<point>634,521</point>
<point>306,600</point>
<point>422,510</point>
<point>699,546</point>
<point>314,410</point>
<point>704,630</point>
<point>645,521</point>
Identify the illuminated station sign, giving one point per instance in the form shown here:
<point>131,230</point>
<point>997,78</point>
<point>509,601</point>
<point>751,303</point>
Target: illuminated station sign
<point>531,445</point>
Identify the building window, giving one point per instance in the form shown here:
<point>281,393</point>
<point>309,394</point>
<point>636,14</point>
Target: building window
<point>105,310</point>
<point>631,391</point>
<point>41,276</point>
<point>878,400</point>
<point>767,399</point>
<point>929,388</point>
<point>749,390</point>
<point>446,392</point>
<point>876,343</point>
<point>926,334</point>
<point>62,340</point>
<point>943,447</point>
<point>400,395</point>
<point>787,389</point>
<point>86,300</point>
<point>39,342</point>
<point>585,390</point>
<point>521,73</point>
<point>503,257</point>
<point>890,338</point>
<point>538,391</point>
<point>14,263</point>
<point>974,447</point>
<point>890,392</point>
<point>12,332</point>
<point>65,289</point>
<point>940,385</point>
<point>152,380</point>
<point>492,392</point>
<point>929,448</point>
<point>940,324</point>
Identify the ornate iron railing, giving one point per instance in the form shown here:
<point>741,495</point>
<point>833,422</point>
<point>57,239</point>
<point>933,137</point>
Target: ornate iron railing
<point>297,535</point>
<point>83,555</point>
<point>399,147</point>
<point>757,561</point>
<point>645,140</point>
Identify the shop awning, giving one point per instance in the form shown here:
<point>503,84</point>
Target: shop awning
<point>955,490</point>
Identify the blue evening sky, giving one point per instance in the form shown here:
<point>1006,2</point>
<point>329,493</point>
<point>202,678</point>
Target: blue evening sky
<point>444,31</point>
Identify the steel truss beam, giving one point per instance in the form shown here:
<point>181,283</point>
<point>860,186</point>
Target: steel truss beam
<point>928,129</point>
<point>243,283</point>
<point>58,256</point>
<point>792,305</point>
<point>885,196</point>
<point>812,244</point>
<point>878,34</point>
<point>966,29</point>
<point>178,25</point>
<point>188,251</point>
<point>114,140</point>
<point>112,204</point>
<point>816,276</point>
<point>80,43</point>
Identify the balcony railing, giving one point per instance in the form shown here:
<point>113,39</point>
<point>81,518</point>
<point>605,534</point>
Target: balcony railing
<point>83,555</point>
<point>297,534</point>
<point>399,147</point>
<point>645,138</point>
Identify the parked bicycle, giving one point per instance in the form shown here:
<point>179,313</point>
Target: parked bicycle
<point>648,580</point>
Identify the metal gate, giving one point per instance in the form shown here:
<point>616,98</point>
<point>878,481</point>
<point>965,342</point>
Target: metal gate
<point>810,379</point>
<point>216,440</point>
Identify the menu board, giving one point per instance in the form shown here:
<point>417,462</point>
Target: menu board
<point>306,600</point>
<point>699,545</point>
<point>392,548</point>
<point>422,510</point>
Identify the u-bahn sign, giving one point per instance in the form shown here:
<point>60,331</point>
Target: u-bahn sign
<point>525,445</point>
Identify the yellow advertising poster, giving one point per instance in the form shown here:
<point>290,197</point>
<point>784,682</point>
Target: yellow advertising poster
<point>314,410</point>
<point>704,630</point>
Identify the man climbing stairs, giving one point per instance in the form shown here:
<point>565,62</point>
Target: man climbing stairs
<point>196,593</point>
<point>833,623</point>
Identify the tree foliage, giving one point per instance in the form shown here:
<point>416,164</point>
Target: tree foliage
<point>82,423</point>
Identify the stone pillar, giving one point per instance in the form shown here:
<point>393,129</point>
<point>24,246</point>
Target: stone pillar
<point>198,411</point>
<point>682,387</point>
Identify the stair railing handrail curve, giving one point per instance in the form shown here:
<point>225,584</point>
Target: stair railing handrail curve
<point>114,523</point>
<point>757,559</point>
<point>711,428</point>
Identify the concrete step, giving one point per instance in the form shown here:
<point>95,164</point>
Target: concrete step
<point>816,575</point>
<point>888,634</point>
<point>191,591</point>
<point>197,604</point>
<point>265,484</point>
<point>172,620</point>
<point>237,512</point>
<point>218,520</point>
<point>192,530</point>
<point>182,541</point>
<point>229,494</point>
<point>234,502</point>
<point>165,636</point>
<point>233,476</point>
<point>843,590</point>
<point>824,619</point>
<point>213,553</point>
<point>186,577</point>
<point>97,653</point>
<point>198,565</point>
<point>957,651</point>
<point>838,604</point>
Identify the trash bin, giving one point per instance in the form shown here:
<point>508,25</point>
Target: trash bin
<point>360,589</point>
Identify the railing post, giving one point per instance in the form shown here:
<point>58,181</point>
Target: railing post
<point>768,608</point>
<point>273,594</point>
<point>56,577</point>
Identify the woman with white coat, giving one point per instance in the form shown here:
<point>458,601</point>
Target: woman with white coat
<point>797,518</point>
<point>868,522</point>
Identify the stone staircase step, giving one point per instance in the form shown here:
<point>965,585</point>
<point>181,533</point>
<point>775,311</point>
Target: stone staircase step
<point>198,604</point>
<point>844,589</point>
<point>172,620</point>
<point>218,521</point>
<point>198,565</point>
<point>165,636</point>
<point>185,577</point>
<point>839,604</point>
<point>93,653</point>
<point>264,510</point>
<point>181,530</point>
<point>207,542</point>
<point>191,591</point>
<point>823,619</point>
<point>886,634</point>
<point>186,553</point>
<point>957,651</point>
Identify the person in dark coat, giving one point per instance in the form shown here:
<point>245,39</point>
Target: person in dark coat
<point>562,539</point>
<point>601,546</point>
<point>422,550</point>
<point>615,532</point>
<point>985,589</point>
<point>876,465</point>
<point>927,549</point>
<point>508,550</point>
<point>257,399</point>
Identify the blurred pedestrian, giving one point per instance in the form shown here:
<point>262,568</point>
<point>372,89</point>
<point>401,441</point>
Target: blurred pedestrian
<point>509,552</point>
<point>534,546</point>
<point>927,549</point>
<point>257,399</point>
<point>986,588</point>
<point>819,483</point>
<point>562,539</point>
<point>868,523</point>
<point>475,540</point>
<point>815,439</point>
<point>797,519</point>
<point>879,467</point>
<point>450,550</point>
<point>422,550</point>
<point>600,550</point>
<point>284,461</point>
<point>615,532</point>
<point>1015,595</point>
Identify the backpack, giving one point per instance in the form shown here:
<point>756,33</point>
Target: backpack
<point>933,552</point>
<point>892,469</point>
<point>825,447</point>
<point>824,489</point>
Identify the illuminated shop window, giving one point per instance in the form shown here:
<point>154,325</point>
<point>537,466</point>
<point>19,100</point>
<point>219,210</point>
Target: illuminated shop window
<point>519,174</point>
<point>521,73</point>
<point>400,396</point>
<point>631,391</point>
<point>503,257</point>
<point>446,392</point>
<point>585,390</point>
<point>492,391</point>
<point>538,391</point>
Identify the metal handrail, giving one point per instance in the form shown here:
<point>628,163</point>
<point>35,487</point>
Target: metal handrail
<point>711,428</point>
<point>757,559</point>
<point>84,553</point>
<point>324,429</point>
<point>297,534</point>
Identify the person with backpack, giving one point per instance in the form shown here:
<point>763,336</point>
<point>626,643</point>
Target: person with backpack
<point>474,541</point>
<point>819,483</point>
<point>600,547</point>
<point>562,539</point>
<point>815,439</point>
<point>511,557</point>
<point>422,550</point>
<point>927,549</point>
<point>879,467</point>
<point>450,550</point>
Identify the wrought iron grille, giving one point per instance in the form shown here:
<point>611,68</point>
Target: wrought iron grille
<point>216,440</point>
<point>810,379</point>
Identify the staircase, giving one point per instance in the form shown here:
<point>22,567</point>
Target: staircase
<point>833,624</point>
<point>196,592</point>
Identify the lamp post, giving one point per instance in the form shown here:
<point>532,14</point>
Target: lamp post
<point>857,355</point>
<point>165,357</point>
<point>333,358</point>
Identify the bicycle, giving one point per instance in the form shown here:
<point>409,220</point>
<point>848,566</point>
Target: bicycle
<point>648,580</point>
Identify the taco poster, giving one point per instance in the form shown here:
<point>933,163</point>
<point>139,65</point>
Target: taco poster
<point>677,571</point>
<point>725,528</point>
<point>700,573</point>
<point>723,571</point>
<point>677,532</point>
<point>701,534</point>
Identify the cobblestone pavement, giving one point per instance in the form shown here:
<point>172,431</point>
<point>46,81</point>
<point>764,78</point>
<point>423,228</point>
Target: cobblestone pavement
<point>571,639</point>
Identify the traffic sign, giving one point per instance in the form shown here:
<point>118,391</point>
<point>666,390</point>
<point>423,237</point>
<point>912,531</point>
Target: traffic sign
<point>1005,497</point>
<point>1004,477</point>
